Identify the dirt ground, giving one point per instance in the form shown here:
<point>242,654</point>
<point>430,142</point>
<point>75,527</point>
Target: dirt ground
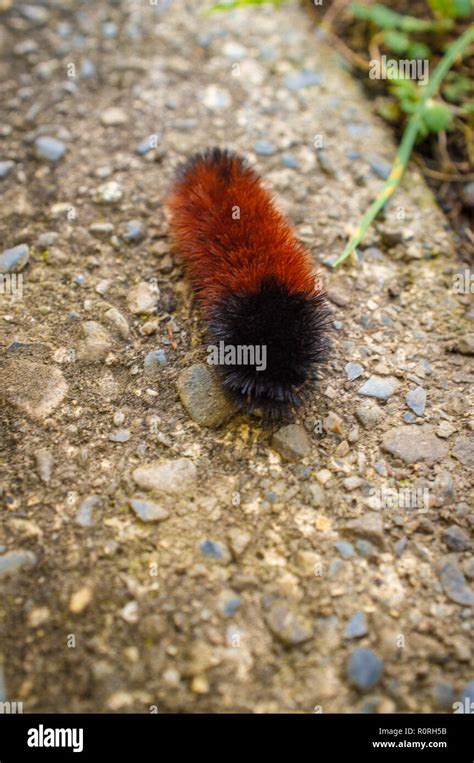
<point>149,562</point>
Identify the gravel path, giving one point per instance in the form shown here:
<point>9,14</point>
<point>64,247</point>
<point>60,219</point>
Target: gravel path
<point>158,551</point>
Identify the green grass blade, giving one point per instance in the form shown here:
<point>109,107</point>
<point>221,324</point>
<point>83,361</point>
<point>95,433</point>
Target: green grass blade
<point>408,140</point>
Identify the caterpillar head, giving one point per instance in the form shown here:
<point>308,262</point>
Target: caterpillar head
<point>285,339</point>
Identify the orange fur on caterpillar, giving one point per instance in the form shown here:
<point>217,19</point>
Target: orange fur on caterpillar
<point>255,281</point>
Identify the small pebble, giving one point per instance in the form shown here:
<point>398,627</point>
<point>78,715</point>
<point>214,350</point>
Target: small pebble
<point>122,435</point>
<point>364,669</point>
<point>49,148</point>
<point>369,414</point>
<point>416,400</point>
<point>6,167</point>
<point>109,193</point>
<point>202,396</point>
<point>381,387</point>
<point>173,476</point>
<point>154,362</point>
<point>148,511</point>
<point>302,79</point>
<point>264,148</point>
<point>353,371</point>
<point>454,583</point>
<point>15,259</point>
<point>456,539</point>
<point>85,513</point>
<point>14,561</point>
<point>357,626</point>
<point>345,549</point>
<point>44,462</point>
<point>113,116</point>
<point>291,442</point>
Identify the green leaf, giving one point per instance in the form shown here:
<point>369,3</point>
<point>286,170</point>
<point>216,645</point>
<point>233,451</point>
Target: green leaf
<point>385,18</point>
<point>419,51</point>
<point>452,9</point>
<point>398,42</point>
<point>437,116</point>
<point>229,6</point>
<point>458,86</point>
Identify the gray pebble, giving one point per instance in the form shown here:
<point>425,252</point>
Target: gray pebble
<point>122,435</point>
<point>133,231</point>
<point>148,144</point>
<point>202,396</point>
<point>143,298</point>
<point>6,167</point>
<point>215,98</point>
<point>119,418</point>
<point>14,561</point>
<point>85,512</point>
<point>290,162</point>
<point>264,148</point>
<point>414,444</point>
<point>365,548</point>
<point>380,167</point>
<point>345,549</point>
<point>87,70</point>
<point>381,387</point>
<point>113,117</point>
<point>170,476</point>
<point>416,400</point>
<point>109,193</point>
<point>304,78</point>
<point>364,668</point>
<point>47,239</point>
<point>97,343</point>
<point>14,259</point>
<point>353,371</point>
<point>369,414</point>
<point>101,230</point>
<point>456,539</point>
<point>148,511</point>
<point>117,321</point>
<point>287,626</point>
<point>154,362</point>
<point>368,526</point>
<point>400,546</point>
<point>454,583</point>
<point>466,345</point>
<point>228,603</point>
<point>291,442</point>
<point>49,148</point>
<point>357,626</point>
<point>464,451</point>
<point>212,549</point>
<point>44,462</point>
<point>33,388</point>
<point>444,489</point>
